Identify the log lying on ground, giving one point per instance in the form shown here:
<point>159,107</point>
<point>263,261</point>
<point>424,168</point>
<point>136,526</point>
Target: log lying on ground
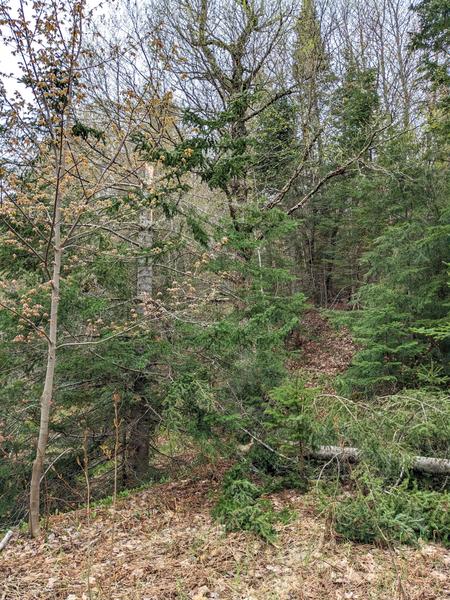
<point>5,540</point>
<point>424,464</point>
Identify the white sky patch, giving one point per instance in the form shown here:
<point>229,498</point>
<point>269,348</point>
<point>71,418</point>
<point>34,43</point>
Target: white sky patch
<point>10,69</point>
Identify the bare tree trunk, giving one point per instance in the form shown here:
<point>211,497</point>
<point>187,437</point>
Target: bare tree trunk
<point>144,283</point>
<point>47,394</point>
<point>141,426</point>
<point>140,419</point>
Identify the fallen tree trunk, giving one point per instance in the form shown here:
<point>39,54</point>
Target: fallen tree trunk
<point>424,464</point>
<point>6,539</point>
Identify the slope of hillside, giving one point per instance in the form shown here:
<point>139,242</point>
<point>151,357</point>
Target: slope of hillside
<point>161,544</point>
<point>323,350</point>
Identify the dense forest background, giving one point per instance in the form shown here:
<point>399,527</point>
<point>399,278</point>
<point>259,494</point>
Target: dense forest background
<point>183,184</point>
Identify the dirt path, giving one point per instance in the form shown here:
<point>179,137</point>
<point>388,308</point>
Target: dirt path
<point>323,350</point>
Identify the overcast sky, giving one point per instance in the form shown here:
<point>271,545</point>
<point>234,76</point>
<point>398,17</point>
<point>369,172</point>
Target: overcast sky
<point>9,64</point>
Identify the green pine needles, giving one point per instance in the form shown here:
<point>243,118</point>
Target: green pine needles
<point>403,513</point>
<point>241,508</point>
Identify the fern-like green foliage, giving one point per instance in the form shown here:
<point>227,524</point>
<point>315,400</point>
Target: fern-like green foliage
<point>274,145</point>
<point>403,305</point>
<point>406,514</point>
<point>291,417</point>
<point>389,431</point>
<point>241,508</point>
<point>357,104</point>
<point>432,39</point>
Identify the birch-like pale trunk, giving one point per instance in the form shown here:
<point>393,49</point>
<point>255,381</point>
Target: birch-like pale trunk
<point>424,464</point>
<point>47,394</point>
<point>144,283</point>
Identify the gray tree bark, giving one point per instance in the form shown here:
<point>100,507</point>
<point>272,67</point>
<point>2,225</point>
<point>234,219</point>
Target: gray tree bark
<point>144,283</point>
<point>424,464</point>
<point>47,394</point>
<point>141,421</point>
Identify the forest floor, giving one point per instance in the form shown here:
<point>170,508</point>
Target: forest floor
<point>324,351</point>
<point>161,543</point>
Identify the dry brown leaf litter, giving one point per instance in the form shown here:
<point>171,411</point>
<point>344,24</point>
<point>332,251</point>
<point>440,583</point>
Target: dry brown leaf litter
<point>323,349</point>
<point>161,544</point>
